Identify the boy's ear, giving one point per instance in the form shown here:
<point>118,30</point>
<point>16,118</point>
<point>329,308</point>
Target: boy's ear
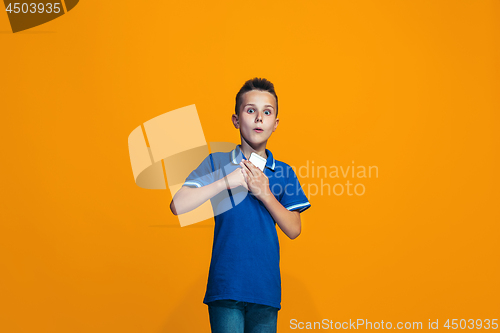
<point>235,120</point>
<point>276,124</point>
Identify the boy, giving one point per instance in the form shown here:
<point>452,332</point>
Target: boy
<point>244,283</point>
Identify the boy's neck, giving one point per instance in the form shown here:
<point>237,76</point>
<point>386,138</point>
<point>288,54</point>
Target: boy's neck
<point>247,149</point>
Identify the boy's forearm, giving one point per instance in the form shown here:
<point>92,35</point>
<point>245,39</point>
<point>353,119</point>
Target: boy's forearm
<point>288,221</point>
<point>189,198</point>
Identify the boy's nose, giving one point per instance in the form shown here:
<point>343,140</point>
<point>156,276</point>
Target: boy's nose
<point>258,116</point>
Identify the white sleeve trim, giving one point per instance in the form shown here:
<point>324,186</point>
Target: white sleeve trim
<point>192,183</point>
<point>301,205</point>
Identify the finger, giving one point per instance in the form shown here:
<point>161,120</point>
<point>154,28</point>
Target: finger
<point>243,165</point>
<point>244,172</point>
<point>245,185</point>
<point>250,167</point>
<point>250,176</point>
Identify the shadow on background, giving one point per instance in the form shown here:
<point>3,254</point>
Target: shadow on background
<point>178,226</point>
<point>191,314</point>
<point>296,302</point>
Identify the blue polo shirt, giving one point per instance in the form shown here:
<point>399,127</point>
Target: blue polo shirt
<point>245,253</point>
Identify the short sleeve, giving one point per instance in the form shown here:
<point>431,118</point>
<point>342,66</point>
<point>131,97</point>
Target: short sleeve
<point>293,196</point>
<point>202,175</point>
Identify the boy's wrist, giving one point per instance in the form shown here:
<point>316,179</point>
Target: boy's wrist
<point>222,185</point>
<point>267,198</point>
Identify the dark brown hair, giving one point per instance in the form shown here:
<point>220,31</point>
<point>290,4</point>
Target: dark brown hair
<point>255,84</point>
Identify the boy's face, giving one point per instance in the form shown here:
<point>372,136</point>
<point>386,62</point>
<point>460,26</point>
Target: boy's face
<point>257,117</point>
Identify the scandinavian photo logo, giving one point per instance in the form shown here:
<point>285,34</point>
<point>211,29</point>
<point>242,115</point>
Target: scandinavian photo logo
<point>334,179</point>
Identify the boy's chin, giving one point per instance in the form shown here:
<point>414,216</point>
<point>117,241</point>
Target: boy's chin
<point>254,142</point>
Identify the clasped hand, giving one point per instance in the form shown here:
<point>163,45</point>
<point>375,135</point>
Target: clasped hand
<point>251,178</point>
<point>257,182</point>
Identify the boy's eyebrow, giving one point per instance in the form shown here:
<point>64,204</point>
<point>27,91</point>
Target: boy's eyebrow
<point>264,105</point>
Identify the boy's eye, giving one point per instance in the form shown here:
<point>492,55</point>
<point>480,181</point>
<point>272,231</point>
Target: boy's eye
<point>267,112</point>
<point>250,110</point>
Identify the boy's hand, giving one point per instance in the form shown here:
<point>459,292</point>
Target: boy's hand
<point>257,181</point>
<point>235,179</point>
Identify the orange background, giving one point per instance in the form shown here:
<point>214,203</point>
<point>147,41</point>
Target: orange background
<point>409,86</point>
